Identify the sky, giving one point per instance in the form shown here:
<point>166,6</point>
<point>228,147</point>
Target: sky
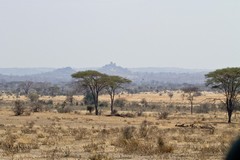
<point>203,34</point>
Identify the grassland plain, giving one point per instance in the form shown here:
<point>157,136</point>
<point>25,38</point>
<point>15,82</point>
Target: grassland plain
<point>79,135</point>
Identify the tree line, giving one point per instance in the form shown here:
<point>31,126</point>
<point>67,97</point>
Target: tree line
<point>226,81</point>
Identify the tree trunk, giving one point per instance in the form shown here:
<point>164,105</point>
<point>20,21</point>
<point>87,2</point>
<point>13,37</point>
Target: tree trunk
<point>229,116</point>
<point>96,109</point>
<point>229,109</point>
<point>112,101</point>
<point>191,107</point>
<point>96,105</point>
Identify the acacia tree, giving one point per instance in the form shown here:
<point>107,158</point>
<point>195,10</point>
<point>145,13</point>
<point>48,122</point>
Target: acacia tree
<point>191,93</point>
<point>94,82</point>
<point>228,81</point>
<point>114,83</point>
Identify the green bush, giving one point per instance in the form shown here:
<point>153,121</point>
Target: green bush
<point>120,102</point>
<point>103,104</point>
<point>90,109</point>
<point>19,107</point>
<point>33,97</point>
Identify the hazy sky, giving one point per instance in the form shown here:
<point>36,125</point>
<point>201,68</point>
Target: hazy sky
<point>132,33</point>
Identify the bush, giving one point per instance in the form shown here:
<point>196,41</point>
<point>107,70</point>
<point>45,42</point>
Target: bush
<point>88,99</point>
<point>129,115</point>
<point>37,106</point>
<point>69,99</point>
<point>132,143</point>
<point>19,108</point>
<point>144,102</point>
<point>103,104</point>
<point>128,132</point>
<point>33,97</point>
<point>144,129</point>
<point>64,109</point>
<point>139,113</point>
<point>120,102</point>
<point>163,115</point>
<point>90,109</point>
<point>115,112</point>
<point>203,108</point>
<point>100,157</point>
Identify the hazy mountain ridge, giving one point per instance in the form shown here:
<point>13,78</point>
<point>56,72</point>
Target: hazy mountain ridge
<point>167,70</point>
<point>24,71</point>
<point>138,75</point>
<point>55,76</point>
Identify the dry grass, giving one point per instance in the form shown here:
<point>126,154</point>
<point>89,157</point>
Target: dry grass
<point>75,135</point>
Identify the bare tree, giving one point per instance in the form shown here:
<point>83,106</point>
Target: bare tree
<point>191,93</point>
<point>26,86</point>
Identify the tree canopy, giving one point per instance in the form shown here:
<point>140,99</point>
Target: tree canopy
<point>228,81</point>
<point>191,93</point>
<point>114,83</point>
<point>94,81</point>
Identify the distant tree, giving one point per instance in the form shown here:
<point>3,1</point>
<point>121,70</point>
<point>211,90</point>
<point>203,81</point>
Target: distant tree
<point>54,90</point>
<point>114,83</point>
<point>94,82</point>
<point>26,86</point>
<point>170,95</point>
<point>228,81</point>
<point>191,93</point>
<point>41,87</point>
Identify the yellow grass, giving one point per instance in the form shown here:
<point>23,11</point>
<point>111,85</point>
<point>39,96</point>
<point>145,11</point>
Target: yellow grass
<point>75,135</point>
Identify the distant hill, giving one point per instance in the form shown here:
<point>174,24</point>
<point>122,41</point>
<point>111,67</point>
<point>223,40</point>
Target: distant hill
<point>113,69</point>
<point>167,70</point>
<point>137,75</point>
<point>55,76</point>
<point>24,71</point>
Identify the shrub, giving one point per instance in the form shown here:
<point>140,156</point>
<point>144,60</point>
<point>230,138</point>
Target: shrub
<point>128,132</point>
<point>131,144</point>
<point>37,106</point>
<point>203,108</point>
<point>120,102</point>
<point>115,112</point>
<point>140,113</point>
<point>162,148</point>
<point>100,157</point>
<point>129,115</point>
<point>144,102</point>
<point>103,104</point>
<point>64,109</point>
<point>69,99</point>
<point>33,97</point>
<point>163,115</point>
<point>144,129</point>
<point>88,99</point>
<point>19,108</point>
<point>49,102</point>
<point>90,109</point>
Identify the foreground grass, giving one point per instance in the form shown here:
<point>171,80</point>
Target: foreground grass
<point>79,136</point>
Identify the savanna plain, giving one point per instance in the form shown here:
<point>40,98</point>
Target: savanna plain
<point>144,126</point>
